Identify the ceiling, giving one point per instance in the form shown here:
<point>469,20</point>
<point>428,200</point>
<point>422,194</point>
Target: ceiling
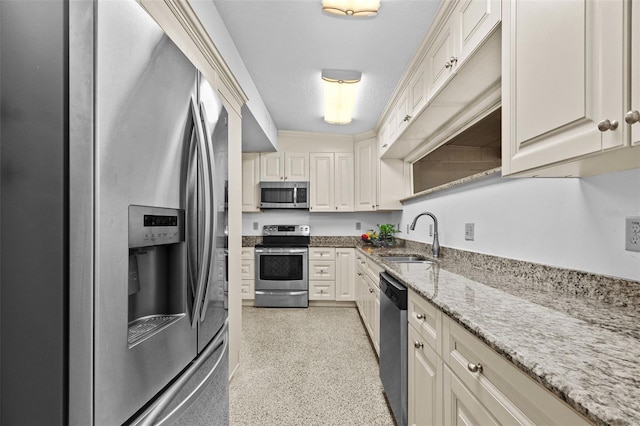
<point>285,45</point>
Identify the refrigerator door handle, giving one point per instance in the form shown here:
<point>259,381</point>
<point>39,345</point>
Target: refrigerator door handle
<point>212,214</point>
<point>150,417</point>
<point>203,167</point>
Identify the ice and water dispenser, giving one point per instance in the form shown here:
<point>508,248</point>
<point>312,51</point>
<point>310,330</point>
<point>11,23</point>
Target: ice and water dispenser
<point>157,270</point>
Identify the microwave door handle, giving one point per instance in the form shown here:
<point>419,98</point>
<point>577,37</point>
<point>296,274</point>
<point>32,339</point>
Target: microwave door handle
<point>212,214</point>
<point>295,194</point>
<point>203,270</point>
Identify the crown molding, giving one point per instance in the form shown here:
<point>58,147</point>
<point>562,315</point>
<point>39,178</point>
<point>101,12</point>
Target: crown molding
<point>178,19</point>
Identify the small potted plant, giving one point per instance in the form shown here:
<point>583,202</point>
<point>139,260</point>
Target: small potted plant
<point>384,237</point>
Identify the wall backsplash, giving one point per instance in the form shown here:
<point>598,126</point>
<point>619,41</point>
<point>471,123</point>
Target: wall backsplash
<point>568,223</point>
<point>329,224</point>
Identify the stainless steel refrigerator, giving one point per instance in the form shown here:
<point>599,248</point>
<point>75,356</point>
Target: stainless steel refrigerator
<point>113,150</point>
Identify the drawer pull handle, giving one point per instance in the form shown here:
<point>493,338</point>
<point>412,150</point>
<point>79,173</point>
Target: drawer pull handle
<point>421,316</point>
<point>475,368</point>
<point>418,345</point>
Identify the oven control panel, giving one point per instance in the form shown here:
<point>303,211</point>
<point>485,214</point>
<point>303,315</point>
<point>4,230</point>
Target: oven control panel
<point>292,230</point>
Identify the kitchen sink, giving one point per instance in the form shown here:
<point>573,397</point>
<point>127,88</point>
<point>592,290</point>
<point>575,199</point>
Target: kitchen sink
<point>405,259</point>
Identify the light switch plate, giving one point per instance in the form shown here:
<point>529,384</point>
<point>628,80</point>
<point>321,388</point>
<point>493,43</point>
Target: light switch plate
<point>469,231</point>
<point>358,226</point>
<point>632,234</point>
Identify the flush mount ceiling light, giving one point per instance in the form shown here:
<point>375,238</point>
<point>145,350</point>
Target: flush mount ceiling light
<point>351,7</point>
<point>340,88</point>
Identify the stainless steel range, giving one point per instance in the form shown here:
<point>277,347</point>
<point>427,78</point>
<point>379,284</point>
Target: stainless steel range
<point>282,267</point>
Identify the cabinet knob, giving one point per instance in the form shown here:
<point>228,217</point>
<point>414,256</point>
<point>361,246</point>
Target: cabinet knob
<point>336,207</point>
<point>420,316</point>
<point>418,345</point>
<point>406,118</point>
<point>281,177</point>
<point>385,145</point>
<point>447,65</point>
<point>475,368</point>
<point>285,178</point>
<point>359,274</point>
<point>370,290</point>
<point>632,117</point>
<point>453,60</point>
<point>606,124</point>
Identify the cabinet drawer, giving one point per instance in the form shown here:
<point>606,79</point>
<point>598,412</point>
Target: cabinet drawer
<point>373,269</point>
<point>247,253</point>
<point>247,271</point>
<point>509,395</point>
<point>326,253</point>
<point>322,290</point>
<point>247,289</point>
<point>322,270</point>
<point>427,320</point>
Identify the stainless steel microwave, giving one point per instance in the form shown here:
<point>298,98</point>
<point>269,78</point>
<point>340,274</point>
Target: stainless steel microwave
<point>284,195</point>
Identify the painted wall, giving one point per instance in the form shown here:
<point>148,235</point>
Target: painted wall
<point>569,223</point>
<point>326,224</point>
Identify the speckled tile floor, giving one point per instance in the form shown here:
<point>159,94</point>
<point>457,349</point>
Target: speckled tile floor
<point>310,366</point>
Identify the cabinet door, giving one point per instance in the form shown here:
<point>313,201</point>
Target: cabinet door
<point>321,290</point>
<point>438,62</point>
<point>296,166</point>
<point>402,113</point>
<point>343,182</point>
<point>424,382</point>
<point>345,274</point>
<point>461,408</point>
<point>321,182</point>
<point>417,91</point>
<point>247,290</point>
<point>476,20</point>
<point>250,182</point>
<point>392,184</point>
<point>271,166</point>
<point>366,173</point>
<point>559,83</point>
<point>635,70</point>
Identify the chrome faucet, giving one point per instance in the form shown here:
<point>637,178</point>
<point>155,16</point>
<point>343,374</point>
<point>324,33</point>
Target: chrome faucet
<point>435,247</point>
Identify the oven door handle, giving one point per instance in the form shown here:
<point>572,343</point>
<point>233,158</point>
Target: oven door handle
<point>277,250</point>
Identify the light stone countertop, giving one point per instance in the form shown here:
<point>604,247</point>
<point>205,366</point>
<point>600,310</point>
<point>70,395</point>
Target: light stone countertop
<point>582,349</point>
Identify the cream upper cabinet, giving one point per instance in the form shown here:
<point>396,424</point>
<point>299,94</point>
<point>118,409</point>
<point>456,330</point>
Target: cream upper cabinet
<point>344,181</point>
<point>632,116</point>
<point>321,182</point>
<point>441,57</point>
<point>474,21</point>
<point>366,175</point>
<point>331,182</point>
<point>250,182</point>
<point>278,166</point>
<point>565,83</point>
<point>428,97</point>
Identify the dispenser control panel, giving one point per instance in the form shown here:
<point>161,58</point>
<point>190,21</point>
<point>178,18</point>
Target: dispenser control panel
<point>151,226</point>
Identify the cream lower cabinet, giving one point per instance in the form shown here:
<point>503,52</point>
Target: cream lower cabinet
<point>424,382</point>
<point>456,379</point>
<point>247,272</point>
<point>322,273</point>
<point>368,297</point>
<point>345,274</point>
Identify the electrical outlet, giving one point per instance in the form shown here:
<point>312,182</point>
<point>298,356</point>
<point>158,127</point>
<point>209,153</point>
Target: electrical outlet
<point>408,228</point>
<point>468,231</point>
<point>632,234</point>
<point>358,226</point>
<point>431,229</point>
<point>255,226</point>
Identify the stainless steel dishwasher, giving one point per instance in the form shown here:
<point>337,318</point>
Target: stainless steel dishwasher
<point>393,345</point>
